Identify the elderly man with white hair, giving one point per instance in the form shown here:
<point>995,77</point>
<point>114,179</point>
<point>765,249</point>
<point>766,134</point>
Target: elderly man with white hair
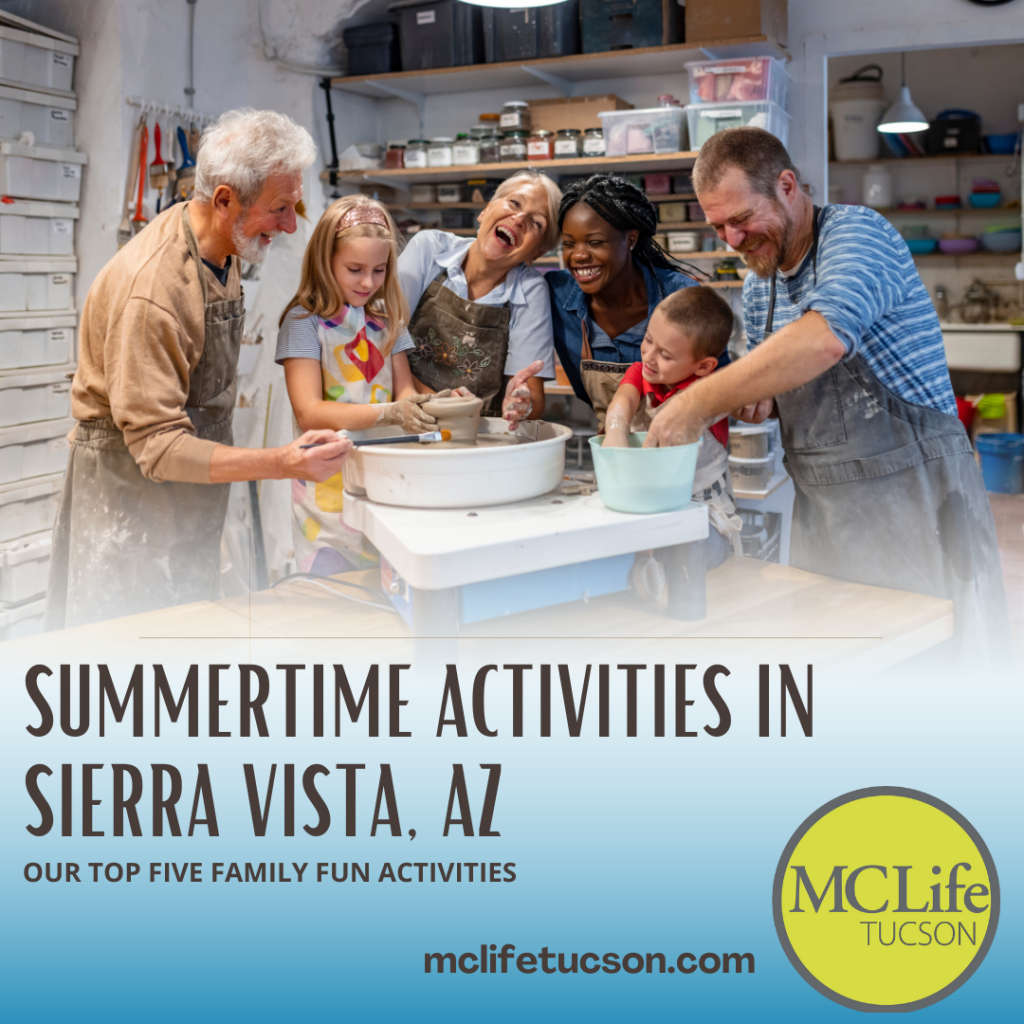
<point>146,490</point>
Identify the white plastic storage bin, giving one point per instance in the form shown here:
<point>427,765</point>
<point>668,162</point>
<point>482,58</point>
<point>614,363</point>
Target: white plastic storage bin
<point>37,229</point>
<point>50,119</point>
<point>752,441</point>
<point>35,342</point>
<point>31,59</point>
<point>657,130</point>
<point>37,286</point>
<point>40,449</point>
<point>38,172</point>
<point>24,566</point>
<point>22,621</point>
<point>708,118</point>
<point>740,80</point>
<point>32,398</point>
<point>751,474</point>
<point>29,508</point>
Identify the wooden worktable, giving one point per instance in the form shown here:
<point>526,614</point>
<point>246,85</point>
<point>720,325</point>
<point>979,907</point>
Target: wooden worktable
<point>758,606</point>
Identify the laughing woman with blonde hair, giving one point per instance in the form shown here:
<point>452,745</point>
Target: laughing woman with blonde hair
<point>481,317</point>
<point>343,344</point>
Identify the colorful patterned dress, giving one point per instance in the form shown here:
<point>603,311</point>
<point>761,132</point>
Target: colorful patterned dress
<point>353,370</point>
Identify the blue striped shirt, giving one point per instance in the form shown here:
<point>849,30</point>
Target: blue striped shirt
<point>868,290</point>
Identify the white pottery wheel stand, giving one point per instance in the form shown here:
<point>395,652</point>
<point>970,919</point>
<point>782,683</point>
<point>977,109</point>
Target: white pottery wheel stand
<point>446,566</point>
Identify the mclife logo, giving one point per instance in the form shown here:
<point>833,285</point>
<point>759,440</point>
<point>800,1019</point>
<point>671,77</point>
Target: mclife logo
<point>886,899</point>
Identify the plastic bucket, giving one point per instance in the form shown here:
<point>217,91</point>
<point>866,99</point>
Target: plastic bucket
<point>1002,462</point>
<point>644,480</point>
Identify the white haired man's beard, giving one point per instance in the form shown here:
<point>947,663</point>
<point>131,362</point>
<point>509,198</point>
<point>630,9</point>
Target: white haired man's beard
<point>780,239</point>
<point>250,249</point>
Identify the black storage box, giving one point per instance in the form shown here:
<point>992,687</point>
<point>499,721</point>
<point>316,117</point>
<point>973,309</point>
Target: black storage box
<point>443,34</point>
<point>955,131</point>
<point>372,49</point>
<point>531,32</point>
<point>630,24</point>
<point>458,218</point>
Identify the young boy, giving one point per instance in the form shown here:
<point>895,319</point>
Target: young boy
<point>686,334</point>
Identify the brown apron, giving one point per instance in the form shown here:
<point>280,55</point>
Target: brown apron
<point>123,544</point>
<point>460,343</point>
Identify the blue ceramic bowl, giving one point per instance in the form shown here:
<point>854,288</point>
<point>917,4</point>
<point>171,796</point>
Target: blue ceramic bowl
<point>985,200</point>
<point>644,480</point>
<point>1002,144</point>
<point>1002,241</point>
<point>922,246</point>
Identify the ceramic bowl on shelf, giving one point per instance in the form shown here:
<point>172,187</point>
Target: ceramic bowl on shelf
<point>948,203</point>
<point>985,200</point>
<point>921,246</point>
<point>1002,144</point>
<point>957,246</point>
<point>1002,241</point>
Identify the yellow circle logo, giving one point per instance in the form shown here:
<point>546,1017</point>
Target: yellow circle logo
<point>886,899</point>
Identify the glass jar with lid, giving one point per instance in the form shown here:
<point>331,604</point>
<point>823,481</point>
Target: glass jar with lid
<point>416,153</point>
<point>466,150</point>
<point>540,145</point>
<point>487,138</point>
<point>440,152</point>
<point>395,155</point>
<point>515,116</point>
<point>513,146</point>
<point>593,142</point>
<point>568,143</point>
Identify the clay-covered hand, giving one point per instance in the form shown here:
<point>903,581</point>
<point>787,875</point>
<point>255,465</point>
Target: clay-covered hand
<point>317,456</point>
<point>677,421</point>
<point>408,414</point>
<point>756,413</point>
<point>518,404</point>
<point>453,393</point>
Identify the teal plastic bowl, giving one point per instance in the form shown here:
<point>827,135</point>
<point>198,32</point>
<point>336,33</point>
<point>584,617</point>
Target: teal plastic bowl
<point>644,480</point>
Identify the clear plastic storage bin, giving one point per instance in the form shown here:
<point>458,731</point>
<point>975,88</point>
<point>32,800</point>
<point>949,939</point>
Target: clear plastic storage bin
<point>32,59</point>
<point>36,341</point>
<point>37,229</point>
<point>24,566</point>
<point>37,450</point>
<point>37,172</point>
<point>50,119</point>
<point>706,119</point>
<point>741,80</point>
<point>29,508</point>
<point>752,441</point>
<point>36,286</point>
<point>23,620</point>
<point>33,397</point>
<point>751,474</point>
<point>657,130</point>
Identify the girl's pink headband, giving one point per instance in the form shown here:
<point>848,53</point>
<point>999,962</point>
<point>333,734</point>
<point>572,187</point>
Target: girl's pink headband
<point>362,213</point>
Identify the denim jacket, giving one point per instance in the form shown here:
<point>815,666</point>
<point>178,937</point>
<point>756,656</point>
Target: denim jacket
<point>569,310</point>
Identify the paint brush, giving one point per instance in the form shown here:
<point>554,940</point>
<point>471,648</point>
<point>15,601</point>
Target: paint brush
<point>433,435</point>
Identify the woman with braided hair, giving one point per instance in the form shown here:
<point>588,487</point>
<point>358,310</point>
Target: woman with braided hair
<point>615,275</point>
<point>601,306</point>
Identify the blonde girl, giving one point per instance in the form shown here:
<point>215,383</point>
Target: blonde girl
<point>343,344</point>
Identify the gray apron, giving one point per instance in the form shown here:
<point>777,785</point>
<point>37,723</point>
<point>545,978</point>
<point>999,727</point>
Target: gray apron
<point>889,493</point>
<point>460,343</point>
<point>123,544</point>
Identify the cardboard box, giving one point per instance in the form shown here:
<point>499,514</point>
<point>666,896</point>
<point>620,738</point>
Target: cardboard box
<point>575,112</point>
<point>717,20</point>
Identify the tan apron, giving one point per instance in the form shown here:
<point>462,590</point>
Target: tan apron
<point>123,544</point>
<point>460,343</point>
<point>712,484</point>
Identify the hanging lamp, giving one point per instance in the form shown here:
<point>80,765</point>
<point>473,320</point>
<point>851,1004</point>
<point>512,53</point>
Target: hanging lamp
<point>903,116</point>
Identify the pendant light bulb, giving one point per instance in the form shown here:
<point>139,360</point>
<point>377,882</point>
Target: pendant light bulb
<point>903,116</point>
<point>513,4</point>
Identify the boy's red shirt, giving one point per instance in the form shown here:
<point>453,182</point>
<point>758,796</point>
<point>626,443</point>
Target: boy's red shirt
<point>660,392</point>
